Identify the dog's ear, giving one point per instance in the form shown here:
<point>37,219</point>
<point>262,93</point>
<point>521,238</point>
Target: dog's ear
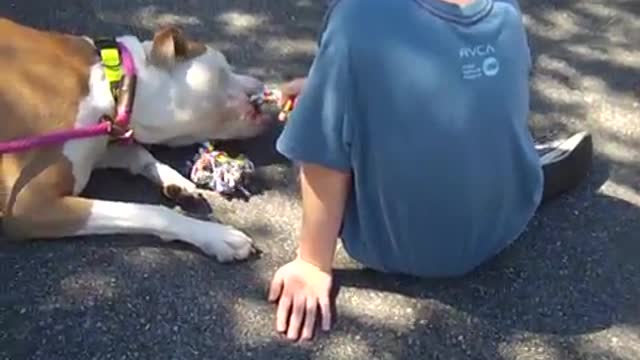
<point>170,46</point>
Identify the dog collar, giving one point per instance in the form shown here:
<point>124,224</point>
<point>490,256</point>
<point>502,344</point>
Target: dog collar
<point>120,71</point>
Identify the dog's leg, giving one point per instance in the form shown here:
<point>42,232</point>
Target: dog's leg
<point>139,161</point>
<point>75,216</point>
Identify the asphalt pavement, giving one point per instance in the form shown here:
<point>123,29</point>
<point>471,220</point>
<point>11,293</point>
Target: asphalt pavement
<point>568,289</point>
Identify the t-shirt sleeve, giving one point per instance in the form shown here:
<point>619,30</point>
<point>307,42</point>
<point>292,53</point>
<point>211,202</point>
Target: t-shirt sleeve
<point>318,128</point>
<point>529,54</point>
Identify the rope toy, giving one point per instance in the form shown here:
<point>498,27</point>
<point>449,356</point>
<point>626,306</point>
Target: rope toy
<point>218,171</point>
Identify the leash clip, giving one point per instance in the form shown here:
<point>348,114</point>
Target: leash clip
<point>117,131</point>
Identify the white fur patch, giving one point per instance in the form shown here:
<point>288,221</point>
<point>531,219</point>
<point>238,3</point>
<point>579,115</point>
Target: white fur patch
<point>221,241</point>
<point>84,153</point>
<point>190,102</point>
<point>199,78</point>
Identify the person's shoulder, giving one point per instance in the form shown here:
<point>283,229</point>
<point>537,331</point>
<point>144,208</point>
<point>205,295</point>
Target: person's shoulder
<point>509,8</point>
<point>513,4</point>
<point>350,20</point>
<point>510,13</point>
<point>355,5</point>
<point>353,12</point>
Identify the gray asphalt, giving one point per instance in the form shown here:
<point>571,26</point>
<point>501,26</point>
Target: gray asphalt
<point>568,289</point>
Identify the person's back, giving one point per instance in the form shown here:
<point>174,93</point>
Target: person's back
<point>427,106</point>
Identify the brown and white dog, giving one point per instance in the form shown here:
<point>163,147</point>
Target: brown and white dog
<point>186,93</point>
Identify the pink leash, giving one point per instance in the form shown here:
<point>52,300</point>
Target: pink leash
<point>106,126</point>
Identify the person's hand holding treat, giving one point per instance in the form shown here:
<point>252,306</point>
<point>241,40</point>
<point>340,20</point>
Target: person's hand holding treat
<point>289,94</point>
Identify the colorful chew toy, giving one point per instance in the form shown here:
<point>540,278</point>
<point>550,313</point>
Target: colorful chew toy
<point>218,171</point>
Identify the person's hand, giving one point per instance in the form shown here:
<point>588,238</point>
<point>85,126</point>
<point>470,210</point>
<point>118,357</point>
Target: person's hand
<point>290,92</point>
<point>301,289</point>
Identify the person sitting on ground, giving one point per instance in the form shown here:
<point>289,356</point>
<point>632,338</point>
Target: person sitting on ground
<point>411,134</point>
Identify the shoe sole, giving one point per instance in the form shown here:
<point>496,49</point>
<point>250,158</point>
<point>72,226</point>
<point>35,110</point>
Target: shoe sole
<point>567,165</point>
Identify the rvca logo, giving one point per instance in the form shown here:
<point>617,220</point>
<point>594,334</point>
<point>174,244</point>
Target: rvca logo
<point>478,50</point>
<point>479,61</point>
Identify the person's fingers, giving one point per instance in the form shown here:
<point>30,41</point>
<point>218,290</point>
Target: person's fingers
<point>275,289</point>
<point>292,88</point>
<point>309,319</point>
<point>297,314</point>
<point>298,84</point>
<point>325,312</point>
<point>288,91</point>
<point>282,314</point>
<point>281,100</point>
<point>285,108</point>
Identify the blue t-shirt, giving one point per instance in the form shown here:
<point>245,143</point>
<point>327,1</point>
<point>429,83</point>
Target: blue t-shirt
<point>426,103</point>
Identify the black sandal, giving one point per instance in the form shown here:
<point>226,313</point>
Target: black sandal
<point>565,163</point>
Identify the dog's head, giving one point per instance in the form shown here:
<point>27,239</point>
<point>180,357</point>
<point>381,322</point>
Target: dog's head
<point>190,93</point>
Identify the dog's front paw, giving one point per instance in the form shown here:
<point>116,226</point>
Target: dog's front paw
<point>175,191</point>
<point>228,244</point>
<point>191,201</point>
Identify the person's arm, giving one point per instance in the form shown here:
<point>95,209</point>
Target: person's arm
<point>317,135</point>
<point>324,193</point>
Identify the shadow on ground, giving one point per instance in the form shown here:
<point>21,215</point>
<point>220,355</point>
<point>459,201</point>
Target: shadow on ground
<point>587,76</point>
<point>280,36</point>
<point>567,289</point>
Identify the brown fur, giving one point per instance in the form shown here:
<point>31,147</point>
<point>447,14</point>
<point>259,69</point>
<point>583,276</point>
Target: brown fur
<point>45,76</point>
